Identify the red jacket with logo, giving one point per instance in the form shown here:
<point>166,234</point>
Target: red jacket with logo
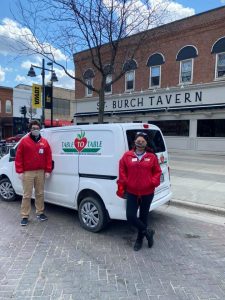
<point>31,155</point>
<point>139,177</point>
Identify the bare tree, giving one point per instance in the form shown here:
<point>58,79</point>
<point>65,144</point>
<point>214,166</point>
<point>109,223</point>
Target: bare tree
<point>31,112</point>
<point>102,27</point>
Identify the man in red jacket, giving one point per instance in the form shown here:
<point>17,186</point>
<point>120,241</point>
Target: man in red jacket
<point>33,165</point>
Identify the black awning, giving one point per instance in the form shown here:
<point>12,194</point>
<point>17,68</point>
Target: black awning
<point>219,46</point>
<point>155,60</point>
<point>186,53</point>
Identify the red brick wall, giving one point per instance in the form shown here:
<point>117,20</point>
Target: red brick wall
<point>202,31</point>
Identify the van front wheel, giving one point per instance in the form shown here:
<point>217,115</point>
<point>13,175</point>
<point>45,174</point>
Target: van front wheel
<point>7,192</point>
<point>92,214</point>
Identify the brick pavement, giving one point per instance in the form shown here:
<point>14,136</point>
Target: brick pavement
<point>59,260</point>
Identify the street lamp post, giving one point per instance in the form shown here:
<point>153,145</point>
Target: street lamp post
<point>54,78</point>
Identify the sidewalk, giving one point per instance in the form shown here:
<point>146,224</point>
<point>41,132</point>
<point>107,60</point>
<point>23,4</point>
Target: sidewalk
<point>198,181</point>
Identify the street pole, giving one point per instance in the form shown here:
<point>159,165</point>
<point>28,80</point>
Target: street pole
<point>43,92</point>
<point>52,100</point>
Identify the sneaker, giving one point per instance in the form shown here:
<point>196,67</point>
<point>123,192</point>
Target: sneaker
<point>24,222</point>
<point>42,217</point>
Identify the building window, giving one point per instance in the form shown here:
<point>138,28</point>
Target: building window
<point>88,90</point>
<point>108,87</point>
<point>220,65</point>
<point>8,106</point>
<point>211,128</point>
<point>186,71</point>
<point>129,81</point>
<point>61,107</point>
<point>129,67</point>
<point>186,57</point>
<point>155,76</point>
<point>173,127</point>
<point>154,63</point>
<point>88,77</point>
<point>218,48</point>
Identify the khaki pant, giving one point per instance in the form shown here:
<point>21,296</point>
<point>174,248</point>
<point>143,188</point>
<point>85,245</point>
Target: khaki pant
<point>32,179</point>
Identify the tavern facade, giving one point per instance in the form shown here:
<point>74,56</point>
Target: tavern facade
<point>176,81</point>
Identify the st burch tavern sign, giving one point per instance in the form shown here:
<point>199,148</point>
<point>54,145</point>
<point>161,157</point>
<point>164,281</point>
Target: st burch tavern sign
<point>207,95</point>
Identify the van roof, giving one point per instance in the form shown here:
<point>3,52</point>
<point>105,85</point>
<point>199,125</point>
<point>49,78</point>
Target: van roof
<point>106,126</point>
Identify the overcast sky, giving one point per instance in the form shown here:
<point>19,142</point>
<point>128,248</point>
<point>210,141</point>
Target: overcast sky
<point>13,69</point>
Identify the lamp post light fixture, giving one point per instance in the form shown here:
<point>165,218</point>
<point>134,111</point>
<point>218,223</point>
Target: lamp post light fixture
<point>54,78</point>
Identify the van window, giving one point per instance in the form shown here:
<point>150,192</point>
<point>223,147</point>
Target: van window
<point>156,142</point>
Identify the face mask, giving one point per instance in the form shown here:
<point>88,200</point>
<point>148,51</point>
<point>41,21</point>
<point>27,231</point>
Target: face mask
<point>140,145</point>
<point>35,132</point>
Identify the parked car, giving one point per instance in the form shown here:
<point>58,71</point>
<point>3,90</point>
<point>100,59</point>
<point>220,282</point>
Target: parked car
<point>14,139</point>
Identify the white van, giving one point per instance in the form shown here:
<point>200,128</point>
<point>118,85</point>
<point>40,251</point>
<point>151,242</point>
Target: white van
<point>85,170</point>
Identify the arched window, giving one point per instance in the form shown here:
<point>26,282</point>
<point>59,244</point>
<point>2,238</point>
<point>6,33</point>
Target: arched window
<point>154,63</point>
<point>8,106</point>
<point>88,77</point>
<point>186,57</point>
<point>129,67</point>
<point>219,49</point>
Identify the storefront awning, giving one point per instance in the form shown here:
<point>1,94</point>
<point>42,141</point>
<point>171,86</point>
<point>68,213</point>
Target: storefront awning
<point>57,123</point>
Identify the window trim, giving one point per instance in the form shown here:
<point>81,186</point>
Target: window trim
<point>192,71</point>
<point>150,77</point>
<point>130,90</point>
<point>216,66</point>
<point>86,88</point>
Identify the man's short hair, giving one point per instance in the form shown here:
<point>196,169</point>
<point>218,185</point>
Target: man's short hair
<point>34,122</point>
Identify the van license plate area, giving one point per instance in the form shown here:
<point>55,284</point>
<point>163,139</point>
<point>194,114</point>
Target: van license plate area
<point>162,178</point>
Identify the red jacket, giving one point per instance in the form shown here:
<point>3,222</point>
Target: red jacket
<point>31,155</point>
<point>139,177</point>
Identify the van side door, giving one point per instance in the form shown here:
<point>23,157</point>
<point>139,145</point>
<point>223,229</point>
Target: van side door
<point>62,186</point>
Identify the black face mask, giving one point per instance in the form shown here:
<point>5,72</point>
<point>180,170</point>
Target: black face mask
<point>140,145</point>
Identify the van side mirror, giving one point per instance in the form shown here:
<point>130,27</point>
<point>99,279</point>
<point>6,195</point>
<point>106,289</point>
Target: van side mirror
<point>12,154</point>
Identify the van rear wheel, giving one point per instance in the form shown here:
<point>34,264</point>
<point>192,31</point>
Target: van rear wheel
<point>7,192</point>
<point>92,214</point>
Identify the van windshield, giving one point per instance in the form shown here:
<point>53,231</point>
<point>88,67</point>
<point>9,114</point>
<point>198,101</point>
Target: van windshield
<point>156,142</point>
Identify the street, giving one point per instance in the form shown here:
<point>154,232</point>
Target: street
<point>57,259</point>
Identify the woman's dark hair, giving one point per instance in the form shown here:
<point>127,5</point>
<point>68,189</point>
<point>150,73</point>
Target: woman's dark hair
<point>34,122</point>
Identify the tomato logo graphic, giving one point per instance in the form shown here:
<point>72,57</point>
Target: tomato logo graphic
<point>80,142</point>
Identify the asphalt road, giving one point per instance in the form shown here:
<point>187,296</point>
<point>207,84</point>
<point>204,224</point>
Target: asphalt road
<point>198,179</point>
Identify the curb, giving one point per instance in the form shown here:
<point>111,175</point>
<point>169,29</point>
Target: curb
<point>199,207</point>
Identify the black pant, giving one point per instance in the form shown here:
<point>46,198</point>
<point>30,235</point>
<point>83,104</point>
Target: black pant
<point>133,203</point>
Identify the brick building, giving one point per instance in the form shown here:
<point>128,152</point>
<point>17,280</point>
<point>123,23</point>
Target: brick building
<point>6,112</point>
<point>176,81</point>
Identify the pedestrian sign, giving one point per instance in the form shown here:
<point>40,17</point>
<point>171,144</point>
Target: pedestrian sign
<point>36,96</point>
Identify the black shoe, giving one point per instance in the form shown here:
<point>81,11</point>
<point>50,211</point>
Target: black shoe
<point>138,242</point>
<point>42,217</point>
<point>24,222</point>
<point>149,236</point>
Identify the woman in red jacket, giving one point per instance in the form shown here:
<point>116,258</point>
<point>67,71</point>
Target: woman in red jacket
<point>139,175</point>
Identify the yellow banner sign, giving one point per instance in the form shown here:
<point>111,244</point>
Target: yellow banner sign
<point>36,96</point>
